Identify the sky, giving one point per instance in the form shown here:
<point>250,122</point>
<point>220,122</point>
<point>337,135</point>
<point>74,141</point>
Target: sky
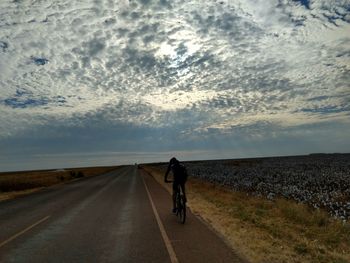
<point>85,83</point>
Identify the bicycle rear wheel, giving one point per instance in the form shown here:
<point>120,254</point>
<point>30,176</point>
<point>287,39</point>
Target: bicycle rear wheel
<point>181,209</point>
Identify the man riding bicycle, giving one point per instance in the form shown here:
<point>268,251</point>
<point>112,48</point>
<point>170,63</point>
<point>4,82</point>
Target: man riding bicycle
<point>180,177</point>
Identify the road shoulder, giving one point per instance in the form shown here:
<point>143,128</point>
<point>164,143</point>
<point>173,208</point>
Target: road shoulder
<point>194,241</point>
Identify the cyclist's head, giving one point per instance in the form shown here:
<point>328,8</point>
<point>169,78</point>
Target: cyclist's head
<point>173,161</point>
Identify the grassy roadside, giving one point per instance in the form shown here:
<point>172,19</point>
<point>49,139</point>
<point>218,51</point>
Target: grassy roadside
<point>15,184</point>
<point>267,231</point>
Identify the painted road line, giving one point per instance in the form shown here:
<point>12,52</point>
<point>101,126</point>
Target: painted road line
<point>23,231</point>
<point>166,239</point>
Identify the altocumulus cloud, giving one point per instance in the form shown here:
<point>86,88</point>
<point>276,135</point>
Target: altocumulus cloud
<point>229,78</point>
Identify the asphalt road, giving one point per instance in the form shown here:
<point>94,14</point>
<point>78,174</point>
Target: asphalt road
<point>121,216</point>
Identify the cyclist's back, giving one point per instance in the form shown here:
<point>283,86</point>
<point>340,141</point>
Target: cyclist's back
<point>179,172</point>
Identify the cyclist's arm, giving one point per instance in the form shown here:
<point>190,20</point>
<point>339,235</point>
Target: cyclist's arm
<point>166,174</point>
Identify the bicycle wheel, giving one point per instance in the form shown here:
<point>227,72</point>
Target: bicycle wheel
<point>181,209</point>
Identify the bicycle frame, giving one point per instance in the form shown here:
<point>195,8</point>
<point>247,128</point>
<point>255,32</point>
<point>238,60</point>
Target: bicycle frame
<point>180,204</point>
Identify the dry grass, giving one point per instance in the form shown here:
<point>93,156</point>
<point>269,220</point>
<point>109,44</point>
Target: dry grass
<point>14,184</point>
<point>267,231</point>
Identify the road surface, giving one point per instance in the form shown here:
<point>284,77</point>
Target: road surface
<point>121,216</point>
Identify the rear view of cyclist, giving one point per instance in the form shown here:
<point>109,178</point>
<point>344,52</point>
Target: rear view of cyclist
<point>180,177</point>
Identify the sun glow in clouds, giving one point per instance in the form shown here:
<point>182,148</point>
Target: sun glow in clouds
<point>178,99</point>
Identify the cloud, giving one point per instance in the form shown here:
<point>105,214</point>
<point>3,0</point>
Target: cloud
<point>186,66</point>
<point>39,61</point>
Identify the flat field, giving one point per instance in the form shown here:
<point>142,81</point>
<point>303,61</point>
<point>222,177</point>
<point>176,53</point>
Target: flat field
<point>271,209</point>
<point>14,184</point>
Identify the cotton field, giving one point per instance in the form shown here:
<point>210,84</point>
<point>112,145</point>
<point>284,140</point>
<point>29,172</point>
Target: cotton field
<point>320,180</point>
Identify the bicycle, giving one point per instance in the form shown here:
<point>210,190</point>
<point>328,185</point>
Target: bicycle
<point>180,204</point>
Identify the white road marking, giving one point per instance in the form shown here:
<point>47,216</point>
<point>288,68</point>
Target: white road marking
<point>23,231</point>
<point>166,239</point>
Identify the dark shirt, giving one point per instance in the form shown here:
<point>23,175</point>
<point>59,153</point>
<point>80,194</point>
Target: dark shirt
<point>179,172</point>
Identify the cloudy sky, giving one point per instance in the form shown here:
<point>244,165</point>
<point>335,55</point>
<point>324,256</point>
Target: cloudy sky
<point>104,82</point>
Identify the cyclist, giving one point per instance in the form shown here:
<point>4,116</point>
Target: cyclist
<point>180,177</point>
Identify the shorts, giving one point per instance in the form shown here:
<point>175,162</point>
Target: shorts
<point>176,184</point>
